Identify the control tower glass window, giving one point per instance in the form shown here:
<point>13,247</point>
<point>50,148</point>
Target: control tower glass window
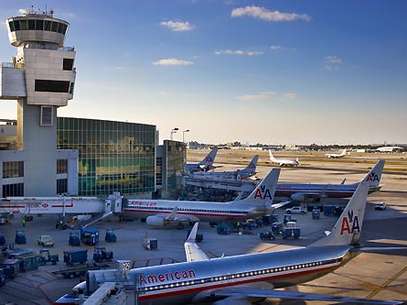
<point>47,25</point>
<point>24,25</point>
<point>39,25</point>
<point>54,27</point>
<point>31,25</point>
<point>11,25</point>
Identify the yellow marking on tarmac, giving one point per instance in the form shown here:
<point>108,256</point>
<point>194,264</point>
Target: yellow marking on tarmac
<point>386,283</point>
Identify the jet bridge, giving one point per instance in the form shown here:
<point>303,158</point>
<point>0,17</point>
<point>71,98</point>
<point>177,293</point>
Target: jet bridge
<point>70,206</point>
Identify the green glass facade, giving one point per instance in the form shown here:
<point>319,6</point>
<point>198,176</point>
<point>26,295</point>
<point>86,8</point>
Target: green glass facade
<point>113,156</point>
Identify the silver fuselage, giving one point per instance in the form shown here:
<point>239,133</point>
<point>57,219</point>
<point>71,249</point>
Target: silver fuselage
<point>192,281</point>
<point>203,210</point>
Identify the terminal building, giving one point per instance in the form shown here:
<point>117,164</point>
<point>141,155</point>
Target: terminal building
<point>42,154</point>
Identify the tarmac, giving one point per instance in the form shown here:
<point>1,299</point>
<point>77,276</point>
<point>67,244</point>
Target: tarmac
<point>369,275</point>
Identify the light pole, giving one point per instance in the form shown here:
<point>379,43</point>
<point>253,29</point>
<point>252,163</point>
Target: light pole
<point>183,134</point>
<point>174,130</point>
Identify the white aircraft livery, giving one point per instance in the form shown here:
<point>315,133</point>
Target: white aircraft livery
<point>227,279</point>
<point>337,156</point>
<point>162,213</point>
<point>284,162</point>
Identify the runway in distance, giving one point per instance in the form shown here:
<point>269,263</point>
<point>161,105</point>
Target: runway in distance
<point>283,162</point>
<point>162,213</point>
<point>205,165</point>
<point>238,174</point>
<point>337,156</point>
<point>237,279</point>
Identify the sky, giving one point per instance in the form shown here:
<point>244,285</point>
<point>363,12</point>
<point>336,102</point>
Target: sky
<point>275,72</point>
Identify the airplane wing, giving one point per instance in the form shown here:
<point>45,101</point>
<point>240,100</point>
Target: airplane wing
<point>192,250</point>
<point>250,292</point>
<point>280,204</point>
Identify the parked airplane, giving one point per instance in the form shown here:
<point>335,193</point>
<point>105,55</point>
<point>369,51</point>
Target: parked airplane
<point>234,279</point>
<point>337,156</point>
<point>205,165</point>
<point>300,191</point>
<point>175,212</point>
<point>238,174</point>
<point>283,162</point>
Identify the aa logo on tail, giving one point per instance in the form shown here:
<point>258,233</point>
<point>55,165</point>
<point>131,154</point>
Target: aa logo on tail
<point>350,223</point>
<point>263,193</point>
<point>372,177</point>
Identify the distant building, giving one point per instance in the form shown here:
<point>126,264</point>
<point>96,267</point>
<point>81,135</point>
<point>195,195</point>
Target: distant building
<point>390,149</point>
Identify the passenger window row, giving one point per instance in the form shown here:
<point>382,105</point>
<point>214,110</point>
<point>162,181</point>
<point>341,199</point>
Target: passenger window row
<point>37,25</point>
<point>240,275</point>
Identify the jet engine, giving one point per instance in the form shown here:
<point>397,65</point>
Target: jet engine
<point>155,220</point>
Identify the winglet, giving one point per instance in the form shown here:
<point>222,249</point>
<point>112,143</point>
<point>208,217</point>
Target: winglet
<point>192,251</point>
<point>192,234</point>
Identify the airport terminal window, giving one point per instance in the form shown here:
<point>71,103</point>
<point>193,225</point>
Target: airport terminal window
<point>11,190</point>
<point>67,64</point>
<point>13,169</point>
<point>62,186</point>
<point>62,166</point>
<point>45,85</point>
<point>109,155</point>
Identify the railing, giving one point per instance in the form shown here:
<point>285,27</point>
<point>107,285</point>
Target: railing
<point>12,65</point>
<point>70,49</point>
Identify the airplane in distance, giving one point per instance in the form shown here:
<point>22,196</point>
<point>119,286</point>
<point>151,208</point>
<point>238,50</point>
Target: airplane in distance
<point>337,156</point>
<point>205,165</point>
<point>238,174</point>
<point>170,213</point>
<point>303,191</point>
<point>283,162</point>
<point>237,279</point>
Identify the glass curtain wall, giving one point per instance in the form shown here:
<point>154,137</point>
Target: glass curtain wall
<point>113,156</point>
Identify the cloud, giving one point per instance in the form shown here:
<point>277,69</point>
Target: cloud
<point>332,62</point>
<point>290,95</point>
<point>267,96</point>
<point>268,15</point>
<point>238,52</point>
<point>258,97</point>
<point>276,48</point>
<point>177,26</point>
<point>172,62</point>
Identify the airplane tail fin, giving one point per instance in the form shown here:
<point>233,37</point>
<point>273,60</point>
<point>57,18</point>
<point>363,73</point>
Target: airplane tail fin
<point>263,194</point>
<point>271,156</point>
<point>253,163</point>
<point>375,175</point>
<point>349,225</point>
<point>210,158</point>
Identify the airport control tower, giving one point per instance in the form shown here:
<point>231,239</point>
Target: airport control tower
<point>41,78</point>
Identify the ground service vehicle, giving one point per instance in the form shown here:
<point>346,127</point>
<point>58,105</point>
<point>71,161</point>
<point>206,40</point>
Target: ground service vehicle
<point>45,241</point>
